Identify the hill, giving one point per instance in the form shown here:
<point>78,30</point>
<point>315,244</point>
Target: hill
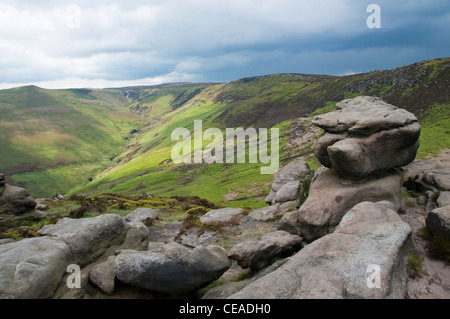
<point>119,140</point>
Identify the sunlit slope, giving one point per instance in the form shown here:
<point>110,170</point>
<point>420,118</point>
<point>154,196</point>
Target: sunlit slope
<point>266,101</point>
<point>52,140</point>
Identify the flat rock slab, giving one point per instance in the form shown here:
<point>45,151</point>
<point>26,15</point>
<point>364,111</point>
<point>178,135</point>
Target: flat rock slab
<point>364,115</point>
<point>221,215</point>
<point>371,239</point>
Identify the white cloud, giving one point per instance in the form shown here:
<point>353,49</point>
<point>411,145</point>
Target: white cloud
<point>136,39</point>
<point>74,82</point>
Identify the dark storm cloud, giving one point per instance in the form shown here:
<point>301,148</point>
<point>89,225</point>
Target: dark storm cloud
<point>104,43</point>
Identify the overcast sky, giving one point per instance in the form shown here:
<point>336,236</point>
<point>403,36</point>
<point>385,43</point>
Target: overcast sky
<point>61,44</point>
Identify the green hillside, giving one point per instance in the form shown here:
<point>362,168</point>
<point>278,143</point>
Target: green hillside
<point>52,140</point>
<point>57,140</point>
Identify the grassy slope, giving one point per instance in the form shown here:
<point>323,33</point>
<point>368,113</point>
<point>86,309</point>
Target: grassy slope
<point>145,166</point>
<point>52,140</point>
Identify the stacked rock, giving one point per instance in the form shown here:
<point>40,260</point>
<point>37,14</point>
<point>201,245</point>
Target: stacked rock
<point>365,139</point>
<point>365,136</point>
<point>16,203</point>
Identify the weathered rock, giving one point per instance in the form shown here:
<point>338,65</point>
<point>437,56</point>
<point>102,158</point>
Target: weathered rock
<point>172,268</point>
<point>355,140</point>
<point>264,214</point>
<point>364,115</point>
<point>137,236</point>
<point>6,241</point>
<point>439,178</point>
<point>88,238</point>
<point>141,215</point>
<point>290,183</point>
<point>260,254</point>
<point>32,268</point>
<point>289,206</point>
<point>438,222</point>
<point>103,276</point>
<point>221,215</point>
<point>444,199</point>
<point>340,265</point>
<point>414,172</point>
<point>17,202</point>
<point>331,196</point>
<point>289,223</point>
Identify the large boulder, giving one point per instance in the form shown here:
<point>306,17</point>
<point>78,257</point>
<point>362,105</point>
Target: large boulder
<point>365,136</point>
<point>171,268</point>
<point>260,254</point>
<point>438,222</point>
<point>88,238</point>
<point>290,183</point>
<point>371,240</point>
<point>16,204</point>
<point>32,268</point>
<point>331,196</point>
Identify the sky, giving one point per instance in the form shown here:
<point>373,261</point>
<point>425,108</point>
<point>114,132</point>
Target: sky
<point>97,44</point>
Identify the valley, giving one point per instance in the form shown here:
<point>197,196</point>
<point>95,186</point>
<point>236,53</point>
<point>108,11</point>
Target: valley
<point>94,141</point>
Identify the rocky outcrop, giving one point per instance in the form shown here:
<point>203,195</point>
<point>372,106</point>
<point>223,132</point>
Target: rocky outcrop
<point>171,268</point>
<point>88,238</point>
<point>291,183</point>
<point>364,143</point>
<point>341,264</point>
<point>260,254</point>
<point>365,136</point>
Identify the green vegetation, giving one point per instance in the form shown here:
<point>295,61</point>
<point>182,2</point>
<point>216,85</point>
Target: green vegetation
<point>96,142</point>
<point>415,265</point>
<point>175,208</point>
<point>52,140</point>
<point>329,107</point>
<point>435,134</point>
